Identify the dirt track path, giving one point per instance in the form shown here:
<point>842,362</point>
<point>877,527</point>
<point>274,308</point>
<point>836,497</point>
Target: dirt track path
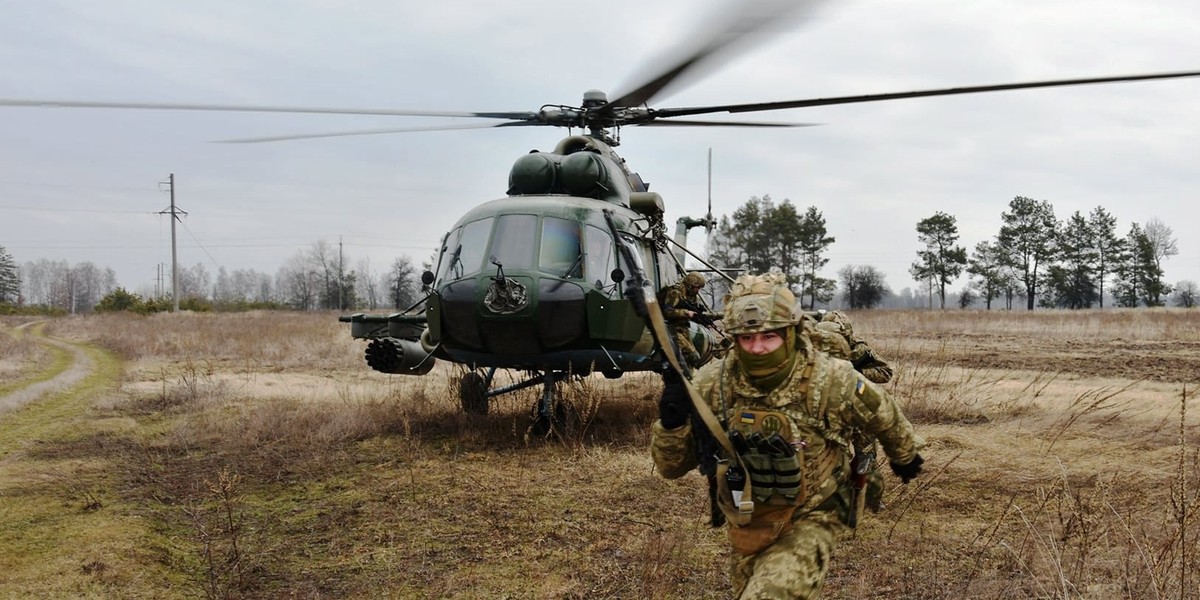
<point>81,365</point>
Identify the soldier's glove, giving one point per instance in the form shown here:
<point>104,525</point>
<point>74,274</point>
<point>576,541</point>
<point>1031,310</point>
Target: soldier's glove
<point>908,472</point>
<point>674,406</point>
<point>866,359</point>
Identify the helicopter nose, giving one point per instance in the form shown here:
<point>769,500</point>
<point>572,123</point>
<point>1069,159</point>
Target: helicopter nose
<point>545,315</point>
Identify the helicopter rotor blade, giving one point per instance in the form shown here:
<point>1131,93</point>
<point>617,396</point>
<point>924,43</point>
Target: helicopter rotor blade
<point>765,106</point>
<point>307,136</point>
<point>692,123</point>
<point>746,18</point>
<point>33,103</point>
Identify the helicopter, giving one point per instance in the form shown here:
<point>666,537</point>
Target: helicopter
<point>536,280</point>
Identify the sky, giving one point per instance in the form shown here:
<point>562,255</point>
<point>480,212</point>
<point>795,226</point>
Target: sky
<point>85,184</point>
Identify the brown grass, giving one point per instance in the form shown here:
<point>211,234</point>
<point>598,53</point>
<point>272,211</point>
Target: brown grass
<point>267,462</point>
<point>20,355</point>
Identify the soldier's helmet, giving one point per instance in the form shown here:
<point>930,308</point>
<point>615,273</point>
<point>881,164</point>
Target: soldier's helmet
<point>840,320</point>
<point>759,303</point>
<point>694,280</point>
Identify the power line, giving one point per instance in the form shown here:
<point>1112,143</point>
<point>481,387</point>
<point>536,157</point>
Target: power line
<point>72,210</point>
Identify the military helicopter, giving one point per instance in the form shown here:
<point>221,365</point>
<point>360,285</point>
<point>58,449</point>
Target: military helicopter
<point>537,280</point>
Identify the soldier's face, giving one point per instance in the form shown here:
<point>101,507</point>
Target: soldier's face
<point>764,342</point>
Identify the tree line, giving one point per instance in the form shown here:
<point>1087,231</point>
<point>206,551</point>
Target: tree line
<point>1052,263</point>
<point>1072,263</point>
<point>1034,256</point>
<point>318,277</point>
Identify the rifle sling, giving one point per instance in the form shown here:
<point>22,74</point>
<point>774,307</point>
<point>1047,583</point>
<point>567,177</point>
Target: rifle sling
<point>659,329</point>
<point>702,408</point>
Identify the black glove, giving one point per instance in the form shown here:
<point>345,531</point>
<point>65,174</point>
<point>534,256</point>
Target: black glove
<point>673,407</point>
<point>909,471</point>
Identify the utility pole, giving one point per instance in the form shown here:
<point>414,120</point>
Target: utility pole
<point>174,212</point>
<point>341,303</point>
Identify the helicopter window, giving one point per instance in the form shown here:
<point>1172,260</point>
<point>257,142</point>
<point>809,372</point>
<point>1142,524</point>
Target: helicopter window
<point>561,254</point>
<point>448,262</point>
<point>600,255</point>
<point>510,244</point>
<point>636,253</point>
<point>464,252</point>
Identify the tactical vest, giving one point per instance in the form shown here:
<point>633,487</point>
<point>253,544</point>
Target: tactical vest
<point>796,414</point>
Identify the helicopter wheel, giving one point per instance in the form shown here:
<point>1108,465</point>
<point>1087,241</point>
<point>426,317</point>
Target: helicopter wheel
<point>472,393</point>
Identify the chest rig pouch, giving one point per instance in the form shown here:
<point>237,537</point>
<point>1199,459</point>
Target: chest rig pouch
<point>786,459</point>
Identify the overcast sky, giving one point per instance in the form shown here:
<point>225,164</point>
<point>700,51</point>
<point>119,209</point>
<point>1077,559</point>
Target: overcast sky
<point>83,184</point>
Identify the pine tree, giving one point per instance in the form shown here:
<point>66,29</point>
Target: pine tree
<point>10,277</point>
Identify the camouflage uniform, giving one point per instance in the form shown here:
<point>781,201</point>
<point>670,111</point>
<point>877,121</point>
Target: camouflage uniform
<point>673,299</point>
<point>822,400</point>
<point>832,333</point>
<point>857,351</point>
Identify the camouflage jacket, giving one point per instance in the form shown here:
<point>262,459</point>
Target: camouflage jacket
<point>675,302</point>
<point>834,335</point>
<point>824,411</point>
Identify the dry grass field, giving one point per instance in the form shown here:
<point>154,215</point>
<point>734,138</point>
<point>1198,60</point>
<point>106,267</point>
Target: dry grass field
<point>255,456</point>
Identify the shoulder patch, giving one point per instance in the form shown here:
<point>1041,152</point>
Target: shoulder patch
<point>860,386</point>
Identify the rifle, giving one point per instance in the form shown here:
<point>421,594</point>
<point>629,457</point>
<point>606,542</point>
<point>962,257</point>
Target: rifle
<point>701,314</point>
<point>702,431</point>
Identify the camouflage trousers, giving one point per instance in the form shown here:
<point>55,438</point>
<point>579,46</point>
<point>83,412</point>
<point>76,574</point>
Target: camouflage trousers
<point>794,566</point>
<point>683,341</point>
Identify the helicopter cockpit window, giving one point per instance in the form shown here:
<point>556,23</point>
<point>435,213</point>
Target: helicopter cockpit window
<point>601,255</point>
<point>561,251</point>
<point>510,244</point>
<point>448,261</point>
<point>463,253</point>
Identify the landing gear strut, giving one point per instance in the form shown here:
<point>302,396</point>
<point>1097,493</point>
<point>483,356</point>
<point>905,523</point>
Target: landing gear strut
<point>552,412</point>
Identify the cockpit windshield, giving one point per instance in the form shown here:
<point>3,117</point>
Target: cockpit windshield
<point>562,249</point>
<point>512,243</point>
<point>463,253</point>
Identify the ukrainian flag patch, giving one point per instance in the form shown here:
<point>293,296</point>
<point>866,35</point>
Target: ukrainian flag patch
<point>860,387</point>
<point>748,418</point>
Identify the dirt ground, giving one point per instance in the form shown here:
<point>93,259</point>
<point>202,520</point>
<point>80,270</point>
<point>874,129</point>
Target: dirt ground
<point>1178,361</point>
<point>1060,464</point>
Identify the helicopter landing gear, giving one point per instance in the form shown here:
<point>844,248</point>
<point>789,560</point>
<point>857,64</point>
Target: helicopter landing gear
<point>553,412</point>
<point>473,392</point>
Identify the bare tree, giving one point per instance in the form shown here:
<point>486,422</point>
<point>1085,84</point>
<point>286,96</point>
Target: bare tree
<point>195,282</point>
<point>1185,293</point>
<point>367,284</point>
<point>298,283</point>
<point>401,283</point>
<point>1161,239</point>
<point>862,287</point>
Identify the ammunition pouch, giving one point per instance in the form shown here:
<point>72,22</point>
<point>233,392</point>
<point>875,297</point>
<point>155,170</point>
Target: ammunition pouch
<point>774,468</point>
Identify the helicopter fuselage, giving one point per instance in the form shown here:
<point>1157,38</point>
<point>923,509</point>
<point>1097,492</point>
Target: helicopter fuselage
<point>535,280</point>
<point>526,282</point>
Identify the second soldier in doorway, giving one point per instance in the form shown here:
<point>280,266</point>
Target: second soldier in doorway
<point>680,305</point>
